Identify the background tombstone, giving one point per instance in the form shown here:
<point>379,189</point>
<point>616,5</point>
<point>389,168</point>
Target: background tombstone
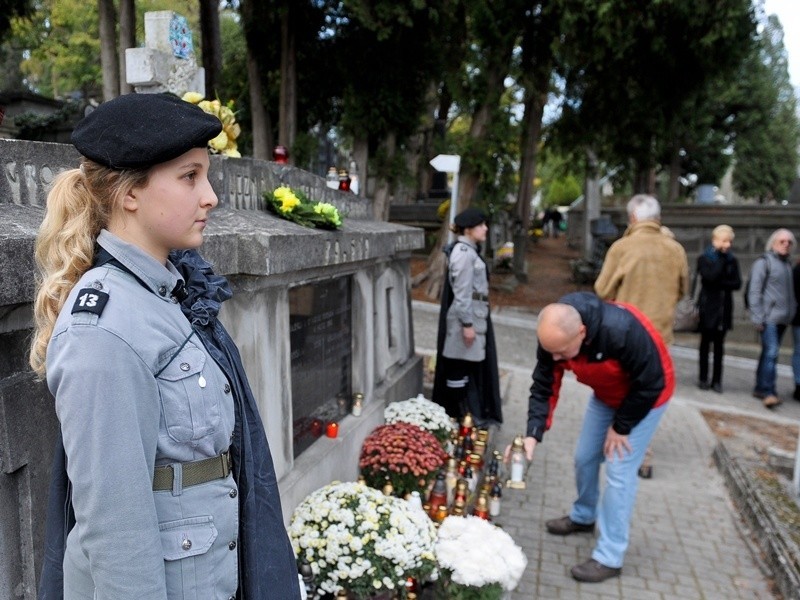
<point>167,62</point>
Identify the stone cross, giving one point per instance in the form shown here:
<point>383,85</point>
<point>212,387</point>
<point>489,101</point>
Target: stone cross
<point>167,62</point>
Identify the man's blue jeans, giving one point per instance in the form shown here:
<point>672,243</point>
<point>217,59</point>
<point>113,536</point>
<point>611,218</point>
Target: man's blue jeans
<point>771,337</point>
<point>613,511</point>
<point>796,355</point>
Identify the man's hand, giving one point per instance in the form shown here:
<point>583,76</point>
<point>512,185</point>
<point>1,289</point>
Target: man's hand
<point>529,443</point>
<point>468,334</point>
<point>615,444</point>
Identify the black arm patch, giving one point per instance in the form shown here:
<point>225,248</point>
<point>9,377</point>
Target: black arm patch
<point>90,300</point>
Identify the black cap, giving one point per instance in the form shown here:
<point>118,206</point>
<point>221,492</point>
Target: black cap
<point>472,217</point>
<point>140,130</point>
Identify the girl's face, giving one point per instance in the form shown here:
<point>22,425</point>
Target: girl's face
<point>171,211</point>
<point>722,243</point>
<point>478,233</point>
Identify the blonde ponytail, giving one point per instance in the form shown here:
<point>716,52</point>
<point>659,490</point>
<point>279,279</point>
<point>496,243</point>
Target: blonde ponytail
<point>79,205</point>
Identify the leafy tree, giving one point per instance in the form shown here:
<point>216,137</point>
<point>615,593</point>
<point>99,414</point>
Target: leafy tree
<point>768,134</point>
<point>629,67</point>
<point>9,9</point>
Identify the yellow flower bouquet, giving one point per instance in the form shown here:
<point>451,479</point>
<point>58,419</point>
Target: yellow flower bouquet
<point>225,142</point>
<point>295,206</point>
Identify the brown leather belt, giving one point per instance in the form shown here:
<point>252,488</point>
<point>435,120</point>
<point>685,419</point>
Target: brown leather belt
<point>194,473</point>
<point>477,296</point>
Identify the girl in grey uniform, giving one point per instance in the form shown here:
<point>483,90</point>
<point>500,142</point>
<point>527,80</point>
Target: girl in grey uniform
<point>466,373</point>
<point>147,411</point>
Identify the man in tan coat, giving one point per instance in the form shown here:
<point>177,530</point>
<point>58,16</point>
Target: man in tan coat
<point>647,267</point>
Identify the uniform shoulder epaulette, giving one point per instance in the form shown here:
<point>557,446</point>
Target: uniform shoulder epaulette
<point>91,300</point>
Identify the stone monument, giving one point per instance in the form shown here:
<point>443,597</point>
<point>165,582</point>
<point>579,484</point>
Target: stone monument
<point>167,62</point>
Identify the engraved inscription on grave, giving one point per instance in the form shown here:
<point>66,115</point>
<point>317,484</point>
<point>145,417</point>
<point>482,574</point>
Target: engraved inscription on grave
<point>320,316</point>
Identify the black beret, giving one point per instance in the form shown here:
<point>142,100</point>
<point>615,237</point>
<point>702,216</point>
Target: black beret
<point>472,217</point>
<point>141,130</point>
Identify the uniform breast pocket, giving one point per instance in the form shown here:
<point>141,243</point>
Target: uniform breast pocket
<point>189,405</point>
<point>187,560</point>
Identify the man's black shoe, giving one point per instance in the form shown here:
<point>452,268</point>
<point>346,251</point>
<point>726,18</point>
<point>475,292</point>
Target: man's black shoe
<point>566,526</point>
<point>703,385</point>
<point>717,387</point>
<point>593,572</point>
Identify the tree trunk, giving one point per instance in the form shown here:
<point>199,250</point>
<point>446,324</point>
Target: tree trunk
<point>259,116</point>
<point>287,118</point>
<point>108,48</point>
<point>534,109</point>
<point>211,45</point>
<point>591,202</point>
<point>382,185</point>
<point>361,158</point>
<point>674,188</point>
<point>433,275</point>
<point>127,39</point>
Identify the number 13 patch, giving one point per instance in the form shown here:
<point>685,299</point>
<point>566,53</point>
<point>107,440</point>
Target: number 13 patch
<point>90,300</point>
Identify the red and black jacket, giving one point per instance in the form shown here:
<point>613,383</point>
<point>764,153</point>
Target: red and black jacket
<point>623,359</point>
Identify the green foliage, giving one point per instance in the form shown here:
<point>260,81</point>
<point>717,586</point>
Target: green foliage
<point>11,9</point>
<point>447,589</point>
<point>629,68</point>
<point>562,192</point>
<point>767,127</point>
<point>39,127</point>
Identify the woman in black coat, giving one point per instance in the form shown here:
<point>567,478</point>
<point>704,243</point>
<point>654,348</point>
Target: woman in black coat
<point>719,275</point>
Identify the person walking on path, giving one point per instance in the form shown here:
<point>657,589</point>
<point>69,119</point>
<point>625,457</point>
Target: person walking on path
<point>163,484</point>
<point>718,271</point>
<point>466,377</point>
<point>772,305</point>
<point>648,268</point>
<point>615,350</point>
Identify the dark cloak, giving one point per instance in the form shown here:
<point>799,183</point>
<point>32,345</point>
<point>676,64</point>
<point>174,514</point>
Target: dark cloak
<point>267,566</point>
<point>483,392</point>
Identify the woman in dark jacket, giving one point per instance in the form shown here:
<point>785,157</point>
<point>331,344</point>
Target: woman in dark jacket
<point>719,275</point>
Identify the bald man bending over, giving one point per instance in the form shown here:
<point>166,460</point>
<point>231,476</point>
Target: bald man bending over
<point>617,352</point>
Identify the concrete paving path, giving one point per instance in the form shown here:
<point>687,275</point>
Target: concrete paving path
<point>687,540</point>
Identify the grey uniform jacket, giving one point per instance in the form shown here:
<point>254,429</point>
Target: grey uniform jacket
<point>467,274</point>
<point>771,295</point>
<point>135,389</point>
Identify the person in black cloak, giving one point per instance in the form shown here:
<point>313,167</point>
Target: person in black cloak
<point>162,484</point>
<point>466,378</point>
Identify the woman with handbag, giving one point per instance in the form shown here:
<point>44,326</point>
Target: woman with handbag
<point>719,275</point>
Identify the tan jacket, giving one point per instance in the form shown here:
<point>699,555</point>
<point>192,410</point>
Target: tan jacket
<point>646,268</point>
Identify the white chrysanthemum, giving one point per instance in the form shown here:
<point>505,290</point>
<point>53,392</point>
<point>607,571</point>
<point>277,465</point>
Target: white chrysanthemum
<point>479,553</point>
<point>421,412</point>
<point>354,536</point>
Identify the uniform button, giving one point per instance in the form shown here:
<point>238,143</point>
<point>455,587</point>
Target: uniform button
<point>232,545</point>
<point>232,598</point>
<point>162,290</point>
<point>185,366</point>
<point>97,285</point>
<point>227,388</point>
<point>232,493</point>
<point>186,544</point>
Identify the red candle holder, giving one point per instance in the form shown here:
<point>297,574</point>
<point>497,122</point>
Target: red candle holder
<point>280,155</point>
<point>332,430</point>
<point>316,428</point>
